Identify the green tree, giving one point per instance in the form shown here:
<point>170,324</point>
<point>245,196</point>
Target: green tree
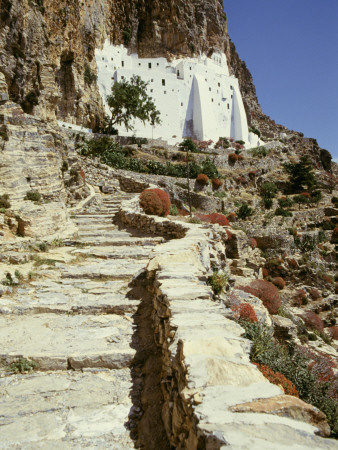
<point>301,174</point>
<point>129,100</point>
<point>244,211</point>
<point>269,190</point>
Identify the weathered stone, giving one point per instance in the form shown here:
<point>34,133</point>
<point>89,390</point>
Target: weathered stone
<point>287,406</point>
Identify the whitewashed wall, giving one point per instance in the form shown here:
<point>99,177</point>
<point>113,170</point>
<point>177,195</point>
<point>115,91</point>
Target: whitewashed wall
<point>195,96</point>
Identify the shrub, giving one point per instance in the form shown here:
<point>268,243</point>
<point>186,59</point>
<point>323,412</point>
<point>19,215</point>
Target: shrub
<point>151,203</point>
<point>293,263</point>
<point>279,282</point>
<point>33,196</point>
<point>301,174</point>
<point>215,218</point>
<point>269,190</point>
<point>245,311</point>
<point>279,379</point>
<point>4,201</point>
<point>267,203</point>
<point>173,210</point>
<point>216,183</point>
<point>316,196</point>
<point>232,158</point>
<point>240,142</point>
<point>259,152</point>
<point>240,158</point>
<point>334,236</point>
<point>334,200</point>
<point>252,174</point>
<point>188,145</point>
<point>255,131</point>
<point>327,279</point>
<point>23,365</point>
<point>218,282</point>
<point>202,179</point>
<point>306,195</point>
<point>283,212</point>
<point>265,272</point>
<point>306,242</point>
<point>333,331</point>
<point>244,211</point>
<point>313,321</point>
<point>232,217</point>
<point>294,365</point>
<point>222,142</point>
<point>300,298</point>
<point>314,293</point>
<point>195,220</point>
<point>164,197</point>
<point>285,202</point>
<point>89,76</point>
<point>267,292</point>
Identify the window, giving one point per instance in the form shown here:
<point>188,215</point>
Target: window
<point>231,96</point>
<point>231,87</point>
<point>122,63</point>
<point>219,84</point>
<point>122,78</point>
<point>181,103</point>
<point>190,67</point>
<point>149,65</point>
<point>178,73</point>
<point>212,100</point>
<point>209,89</point>
<point>165,92</point>
<point>158,64</point>
<point>163,82</point>
<point>152,80</point>
<point>102,59</point>
<point>228,106</point>
<point>151,90</point>
<point>112,59</point>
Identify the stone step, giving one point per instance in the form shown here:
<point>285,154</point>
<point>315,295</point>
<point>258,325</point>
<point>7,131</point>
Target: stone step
<point>94,216</point>
<point>64,299</point>
<point>60,342</point>
<point>103,241</point>
<point>117,252</point>
<point>103,269</point>
<point>66,410</point>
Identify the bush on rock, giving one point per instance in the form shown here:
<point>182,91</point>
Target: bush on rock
<point>155,202</point>
<point>267,292</point>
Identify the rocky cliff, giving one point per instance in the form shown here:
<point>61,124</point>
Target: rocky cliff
<point>47,48</point>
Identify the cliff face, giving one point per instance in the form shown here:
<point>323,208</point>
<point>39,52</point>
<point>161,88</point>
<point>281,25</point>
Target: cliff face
<point>47,48</point>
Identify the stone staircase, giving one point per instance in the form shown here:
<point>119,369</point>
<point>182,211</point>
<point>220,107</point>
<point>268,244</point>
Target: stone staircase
<point>76,322</point>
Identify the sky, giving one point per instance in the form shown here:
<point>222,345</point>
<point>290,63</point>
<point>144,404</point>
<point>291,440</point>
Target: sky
<point>291,50</point>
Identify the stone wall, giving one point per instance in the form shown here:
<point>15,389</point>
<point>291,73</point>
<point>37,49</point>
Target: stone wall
<point>206,375</point>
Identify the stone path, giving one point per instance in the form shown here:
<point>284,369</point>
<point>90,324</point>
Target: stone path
<point>76,322</point>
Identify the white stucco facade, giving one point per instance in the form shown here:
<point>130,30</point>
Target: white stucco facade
<point>196,97</point>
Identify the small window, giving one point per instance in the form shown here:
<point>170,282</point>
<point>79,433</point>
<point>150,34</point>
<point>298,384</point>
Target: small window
<point>231,87</point>
<point>112,59</point>
<point>149,65</point>
<point>163,82</point>
<point>112,78</point>
<point>181,103</point>
<point>210,89</point>
<point>228,106</point>
<point>151,90</point>
<point>122,78</point>
<point>231,96</point>
<point>219,84</point>
<point>102,59</point>
<point>165,92</point>
<point>152,80</point>
<point>122,63</point>
<point>158,64</point>
<point>212,100</point>
<point>139,64</point>
<point>190,67</point>
<point>178,73</point>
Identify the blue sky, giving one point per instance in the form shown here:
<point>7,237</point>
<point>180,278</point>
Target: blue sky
<point>291,50</point>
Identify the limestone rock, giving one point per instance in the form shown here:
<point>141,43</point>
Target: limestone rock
<point>287,406</point>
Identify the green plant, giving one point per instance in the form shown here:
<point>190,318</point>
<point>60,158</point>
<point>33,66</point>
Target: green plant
<point>306,242</point>
<point>126,34</point>
<point>33,196</point>
<point>8,281</point>
<point>188,145</point>
<point>23,365</point>
<point>220,194</point>
<point>130,100</point>
<point>218,282</point>
<point>255,131</point>
<point>4,201</point>
<point>285,202</point>
<point>244,211</point>
<point>195,220</point>
<point>269,190</point>
<point>301,174</point>
<point>267,203</point>
<point>202,179</point>
<point>173,210</point>
<point>259,152</point>
<point>43,261</point>
<point>283,212</point>
<point>64,166</point>
<point>18,274</point>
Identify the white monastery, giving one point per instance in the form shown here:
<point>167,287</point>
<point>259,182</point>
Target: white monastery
<point>196,97</point>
